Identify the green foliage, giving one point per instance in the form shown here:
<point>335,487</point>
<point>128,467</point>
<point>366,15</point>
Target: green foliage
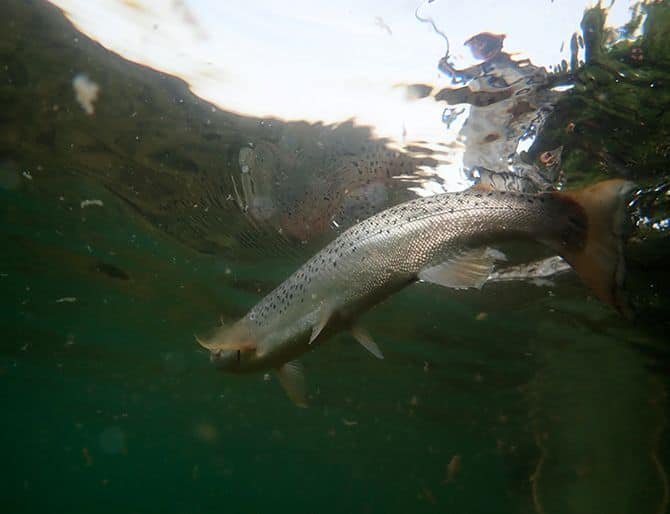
<point>615,121</point>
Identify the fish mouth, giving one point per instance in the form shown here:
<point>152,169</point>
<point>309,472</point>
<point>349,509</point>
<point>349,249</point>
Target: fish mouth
<point>227,360</point>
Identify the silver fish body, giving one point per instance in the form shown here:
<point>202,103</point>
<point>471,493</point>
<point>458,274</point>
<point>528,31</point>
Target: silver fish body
<point>442,239</point>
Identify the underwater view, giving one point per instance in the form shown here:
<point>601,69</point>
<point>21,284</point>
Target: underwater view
<point>326,257</point>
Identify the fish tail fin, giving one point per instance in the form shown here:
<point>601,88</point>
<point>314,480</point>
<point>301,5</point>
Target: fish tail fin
<point>599,258</point>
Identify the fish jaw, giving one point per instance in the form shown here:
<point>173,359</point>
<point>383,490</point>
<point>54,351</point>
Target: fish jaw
<point>218,347</point>
<point>248,346</point>
<point>229,337</point>
<point>230,346</point>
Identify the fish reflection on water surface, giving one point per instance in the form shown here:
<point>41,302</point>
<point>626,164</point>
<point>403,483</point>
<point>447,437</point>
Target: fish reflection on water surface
<point>446,239</point>
<point>302,184</point>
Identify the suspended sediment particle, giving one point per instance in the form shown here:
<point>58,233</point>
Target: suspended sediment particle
<point>86,92</point>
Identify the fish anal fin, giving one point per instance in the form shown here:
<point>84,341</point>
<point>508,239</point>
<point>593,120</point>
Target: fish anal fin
<point>362,336</point>
<point>292,378</point>
<point>465,270</point>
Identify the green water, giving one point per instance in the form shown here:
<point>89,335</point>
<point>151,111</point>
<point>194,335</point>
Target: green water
<point>548,400</point>
<point>109,405</point>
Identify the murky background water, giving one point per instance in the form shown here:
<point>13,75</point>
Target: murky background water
<point>127,230</point>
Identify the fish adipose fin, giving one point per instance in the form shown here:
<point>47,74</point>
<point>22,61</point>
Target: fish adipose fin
<point>481,187</point>
<point>292,378</point>
<point>362,336</point>
<point>467,269</point>
<point>598,258</point>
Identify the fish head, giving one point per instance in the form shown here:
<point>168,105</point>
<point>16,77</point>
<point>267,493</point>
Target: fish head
<point>233,348</point>
<point>232,361</point>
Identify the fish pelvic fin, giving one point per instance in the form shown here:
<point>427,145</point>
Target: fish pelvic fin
<point>292,378</point>
<point>599,258</point>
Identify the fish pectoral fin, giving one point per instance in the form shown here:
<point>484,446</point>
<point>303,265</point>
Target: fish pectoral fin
<point>292,378</point>
<point>467,269</point>
<point>324,315</point>
<point>363,336</point>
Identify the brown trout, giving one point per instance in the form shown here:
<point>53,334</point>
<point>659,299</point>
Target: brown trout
<point>446,239</point>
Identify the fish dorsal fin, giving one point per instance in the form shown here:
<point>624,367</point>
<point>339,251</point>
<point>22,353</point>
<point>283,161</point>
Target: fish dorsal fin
<point>362,336</point>
<point>468,269</point>
<point>323,316</point>
<point>292,378</point>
